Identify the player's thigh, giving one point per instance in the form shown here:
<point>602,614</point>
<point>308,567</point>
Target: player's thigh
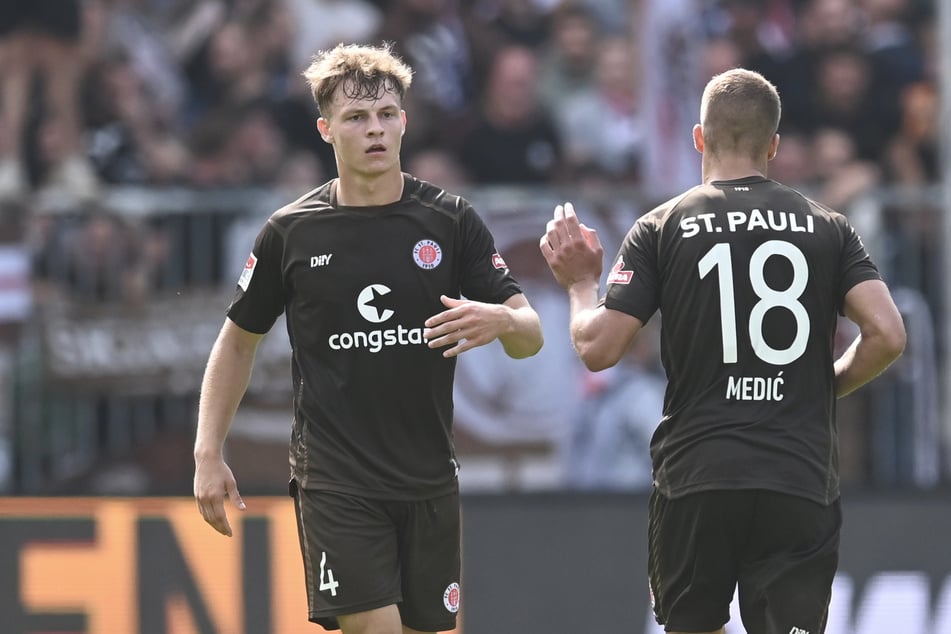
<point>694,543</point>
<point>385,620</point>
<point>350,553</point>
<point>786,581</point>
<point>430,563</point>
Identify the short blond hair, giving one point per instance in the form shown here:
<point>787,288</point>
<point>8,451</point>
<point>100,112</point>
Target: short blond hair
<point>739,113</point>
<point>363,71</point>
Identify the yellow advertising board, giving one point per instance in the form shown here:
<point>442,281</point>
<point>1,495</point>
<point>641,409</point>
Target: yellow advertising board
<point>149,566</point>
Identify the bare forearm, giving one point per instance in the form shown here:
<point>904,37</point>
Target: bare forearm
<point>867,357</point>
<point>525,336</point>
<point>225,381</point>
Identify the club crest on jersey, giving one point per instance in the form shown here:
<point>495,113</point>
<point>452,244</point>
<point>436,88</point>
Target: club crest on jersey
<point>498,262</point>
<point>427,254</point>
<point>248,271</point>
<point>618,275</point>
<point>450,598</point>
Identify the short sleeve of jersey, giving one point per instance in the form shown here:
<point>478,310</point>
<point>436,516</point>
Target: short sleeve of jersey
<point>633,281</point>
<point>485,276</point>
<point>856,265</point>
<point>259,297</point>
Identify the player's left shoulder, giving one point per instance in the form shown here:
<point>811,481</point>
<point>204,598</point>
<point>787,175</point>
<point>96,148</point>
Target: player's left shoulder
<point>434,197</point>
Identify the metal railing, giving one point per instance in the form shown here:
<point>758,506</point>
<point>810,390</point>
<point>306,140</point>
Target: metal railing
<point>129,297</point>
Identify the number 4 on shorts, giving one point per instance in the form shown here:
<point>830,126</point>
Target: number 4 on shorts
<point>327,581</point>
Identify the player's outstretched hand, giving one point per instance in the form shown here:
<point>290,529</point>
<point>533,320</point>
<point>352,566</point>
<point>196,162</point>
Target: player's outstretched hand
<point>213,483</point>
<point>465,325</point>
<point>573,251</point>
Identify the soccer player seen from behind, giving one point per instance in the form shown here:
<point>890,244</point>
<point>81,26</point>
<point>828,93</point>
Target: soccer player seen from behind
<point>370,270</point>
<point>750,277</point>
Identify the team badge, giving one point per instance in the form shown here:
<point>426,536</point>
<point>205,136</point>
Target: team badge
<point>450,598</point>
<point>427,254</point>
<point>498,262</point>
<point>248,271</point>
<point>618,275</point>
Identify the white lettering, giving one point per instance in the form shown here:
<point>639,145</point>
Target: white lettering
<point>735,219</point>
<point>756,220</point>
<point>755,388</point>
<point>689,227</point>
<point>777,221</point>
<point>320,260</point>
<point>376,340</point>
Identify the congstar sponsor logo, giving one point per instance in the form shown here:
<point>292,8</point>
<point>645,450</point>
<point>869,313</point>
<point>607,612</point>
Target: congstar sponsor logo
<point>373,304</point>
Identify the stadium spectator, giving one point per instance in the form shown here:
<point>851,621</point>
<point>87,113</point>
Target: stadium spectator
<point>513,139</point>
<point>322,24</point>
<point>796,164</point>
<point>567,59</point>
<point>40,39</point>
<point>843,99</point>
<point>601,128</point>
<point>895,57</point>
<point>823,25</point>
<point>439,167</point>
<point>518,22</point>
<point>238,147</point>
<point>841,174</point>
<point>93,259</point>
<point>912,156</point>
<point>128,141</point>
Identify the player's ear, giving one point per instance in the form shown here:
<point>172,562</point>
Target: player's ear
<point>403,117</point>
<point>773,147</point>
<point>698,138</point>
<point>323,126</point>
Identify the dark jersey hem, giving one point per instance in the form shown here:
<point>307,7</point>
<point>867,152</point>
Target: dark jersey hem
<point>732,485</point>
<point>414,495</point>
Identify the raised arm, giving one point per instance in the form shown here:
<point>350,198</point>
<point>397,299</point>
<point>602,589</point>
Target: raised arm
<point>575,256</point>
<point>226,379</point>
<point>881,337</point>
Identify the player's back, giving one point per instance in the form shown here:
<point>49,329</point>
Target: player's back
<point>751,276</point>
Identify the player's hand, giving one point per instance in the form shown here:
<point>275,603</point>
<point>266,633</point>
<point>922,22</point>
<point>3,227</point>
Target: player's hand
<point>213,483</point>
<point>465,325</point>
<point>573,251</point>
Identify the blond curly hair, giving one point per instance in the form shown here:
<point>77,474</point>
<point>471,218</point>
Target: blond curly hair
<point>362,71</point>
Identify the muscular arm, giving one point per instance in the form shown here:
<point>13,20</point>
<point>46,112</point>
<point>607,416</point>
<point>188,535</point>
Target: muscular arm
<point>523,337</point>
<point>880,341</point>
<point>225,381</point>
<point>575,256</point>
<point>599,335</point>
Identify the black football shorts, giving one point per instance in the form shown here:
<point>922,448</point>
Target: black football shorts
<point>779,551</point>
<point>362,554</point>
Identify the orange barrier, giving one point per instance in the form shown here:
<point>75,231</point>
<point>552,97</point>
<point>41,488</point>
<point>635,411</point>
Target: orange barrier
<point>150,565</point>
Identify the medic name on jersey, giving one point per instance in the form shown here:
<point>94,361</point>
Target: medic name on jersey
<point>747,221</point>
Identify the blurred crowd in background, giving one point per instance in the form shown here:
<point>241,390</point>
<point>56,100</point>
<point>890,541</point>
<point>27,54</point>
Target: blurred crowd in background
<point>208,93</point>
<point>572,95</point>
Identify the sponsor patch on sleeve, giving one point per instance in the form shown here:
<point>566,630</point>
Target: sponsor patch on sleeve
<point>498,262</point>
<point>618,275</point>
<point>248,271</point>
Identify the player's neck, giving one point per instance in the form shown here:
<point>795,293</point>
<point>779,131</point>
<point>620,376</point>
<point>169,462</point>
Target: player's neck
<point>728,169</point>
<point>356,190</point>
